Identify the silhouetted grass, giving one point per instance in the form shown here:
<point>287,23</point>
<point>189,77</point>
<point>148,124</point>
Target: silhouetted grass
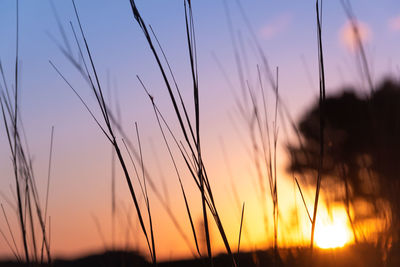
<point>108,130</point>
<point>321,120</point>
<point>190,131</point>
<point>28,207</point>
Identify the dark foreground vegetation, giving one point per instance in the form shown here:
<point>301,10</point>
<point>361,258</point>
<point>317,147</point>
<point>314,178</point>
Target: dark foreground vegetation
<point>354,255</point>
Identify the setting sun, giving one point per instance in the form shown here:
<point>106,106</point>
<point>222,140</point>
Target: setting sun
<point>333,234</point>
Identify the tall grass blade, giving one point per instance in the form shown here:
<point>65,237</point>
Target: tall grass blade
<point>175,167</point>
<point>322,120</point>
<point>15,249</point>
<point>302,198</point>
<point>47,197</point>
<point>146,197</point>
<point>240,229</point>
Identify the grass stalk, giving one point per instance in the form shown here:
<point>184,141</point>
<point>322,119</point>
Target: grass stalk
<point>146,196</point>
<point>359,46</point>
<point>108,130</point>
<point>15,249</point>
<point>12,135</point>
<point>240,229</point>
<point>302,198</point>
<point>199,174</point>
<point>321,118</point>
<point>47,199</point>
<point>175,166</point>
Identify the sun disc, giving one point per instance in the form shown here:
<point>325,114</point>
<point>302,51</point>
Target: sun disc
<point>332,235</point>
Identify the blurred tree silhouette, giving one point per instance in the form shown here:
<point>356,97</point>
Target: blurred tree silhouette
<point>362,152</point>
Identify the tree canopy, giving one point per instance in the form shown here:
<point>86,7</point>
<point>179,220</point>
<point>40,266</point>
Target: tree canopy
<point>362,148</point>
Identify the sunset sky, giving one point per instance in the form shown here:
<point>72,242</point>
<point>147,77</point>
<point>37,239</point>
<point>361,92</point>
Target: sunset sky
<point>81,170</point>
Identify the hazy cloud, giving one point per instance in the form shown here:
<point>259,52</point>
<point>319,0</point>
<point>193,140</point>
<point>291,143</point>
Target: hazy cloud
<point>348,36</point>
<point>394,24</point>
<point>277,25</point>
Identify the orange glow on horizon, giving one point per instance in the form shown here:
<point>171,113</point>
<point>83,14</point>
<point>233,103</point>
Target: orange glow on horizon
<point>333,231</point>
